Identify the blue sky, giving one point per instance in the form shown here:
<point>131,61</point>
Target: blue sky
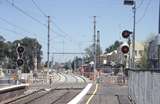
<point>75,17</point>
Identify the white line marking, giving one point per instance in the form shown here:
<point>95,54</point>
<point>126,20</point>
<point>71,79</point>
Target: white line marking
<point>81,95</point>
<point>13,86</point>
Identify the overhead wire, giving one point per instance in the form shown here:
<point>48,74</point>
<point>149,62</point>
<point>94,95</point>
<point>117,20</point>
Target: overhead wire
<point>26,14</point>
<point>30,16</point>
<point>144,13</point>
<point>38,21</point>
<point>38,7</point>
<point>66,34</point>
<point>141,3</point>
<point>18,27</point>
<point>51,29</point>
<point>44,14</point>
<point>13,31</point>
<point>14,25</point>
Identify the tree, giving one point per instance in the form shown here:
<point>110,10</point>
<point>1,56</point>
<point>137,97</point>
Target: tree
<point>144,59</point>
<point>8,54</point>
<point>76,63</point>
<point>89,52</point>
<point>2,47</point>
<point>32,51</point>
<point>113,46</point>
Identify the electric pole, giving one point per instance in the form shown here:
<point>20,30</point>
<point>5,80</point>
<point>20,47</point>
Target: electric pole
<point>132,3</point>
<point>98,46</point>
<point>134,29</point>
<point>48,42</point>
<point>94,44</point>
<point>159,18</point>
<point>35,57</point>
<point>159,39</point>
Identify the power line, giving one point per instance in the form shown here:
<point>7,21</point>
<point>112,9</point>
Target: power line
<point>141,3</point>
<point>38,21</point>
<point>65,34</point>
<point>11,24</point>
<point>18,27</point>
<point>59,28</point>
<point>30,16</point>
<point>145,11</point>
<point>26,14</point>
<point>13,31</point>
<point>42,12</point>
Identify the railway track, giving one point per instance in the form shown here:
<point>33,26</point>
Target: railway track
<point>54,96</point>
<point>61,93</point>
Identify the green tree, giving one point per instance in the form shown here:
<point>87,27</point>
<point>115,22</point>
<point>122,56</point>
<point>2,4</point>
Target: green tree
<point>144,59</point>
<point>8,54</point>
<point>113,46</point>
<point>2,47</point>
<point>32,51</point>
<point>89,52</point>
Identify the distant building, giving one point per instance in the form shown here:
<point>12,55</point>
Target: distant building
<point>154,53</point>
<point>139,51</point>
<point>117,57</point>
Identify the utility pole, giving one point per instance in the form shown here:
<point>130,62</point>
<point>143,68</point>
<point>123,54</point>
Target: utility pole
<point>158,39</point>
<point>132,3</point>
<point>159,18</point>
<point>134,30</point>
<point>98,46</point>
<point>35,57</point>
<point>94,44</point>
<point>48,42</point>
<point>63,48</point>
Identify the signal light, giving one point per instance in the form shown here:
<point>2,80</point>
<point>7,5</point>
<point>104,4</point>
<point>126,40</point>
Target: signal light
<point>126,33</point>
<point>20,62</point>
<point>129,2</point>
<point>20,49</point>
<point>125,48</point>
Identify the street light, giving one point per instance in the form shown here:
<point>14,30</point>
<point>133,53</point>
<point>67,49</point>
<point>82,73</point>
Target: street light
<point>132,3</point>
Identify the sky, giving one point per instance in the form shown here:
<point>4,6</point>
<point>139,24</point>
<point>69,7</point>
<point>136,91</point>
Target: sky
<point>75,20</point>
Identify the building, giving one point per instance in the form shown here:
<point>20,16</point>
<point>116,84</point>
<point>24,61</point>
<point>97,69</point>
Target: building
<point>139,51</point>
<point>154,53</point>
<point>117,57</point>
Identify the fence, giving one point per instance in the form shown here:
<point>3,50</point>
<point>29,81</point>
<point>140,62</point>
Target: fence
<point>144,86</point>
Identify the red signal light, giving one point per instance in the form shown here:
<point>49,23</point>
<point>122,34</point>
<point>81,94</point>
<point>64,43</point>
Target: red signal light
<point>20,62</point>
<point>20,49</point>
<point>125,48</point>
<point>126,33</point>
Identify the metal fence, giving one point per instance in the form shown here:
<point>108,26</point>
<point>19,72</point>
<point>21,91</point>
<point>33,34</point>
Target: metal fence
<point>144,86</point>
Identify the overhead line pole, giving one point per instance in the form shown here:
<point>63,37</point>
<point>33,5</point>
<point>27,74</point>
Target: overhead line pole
<point>159,18</point>
<point>98,46</point>
<point>158,39</point>
<point>48,45</point>
<point>134,30</point>
<point>132,3</point>
<point>94,40</point>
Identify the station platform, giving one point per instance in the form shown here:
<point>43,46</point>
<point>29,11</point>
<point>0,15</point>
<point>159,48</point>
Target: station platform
<point>9,91</point>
